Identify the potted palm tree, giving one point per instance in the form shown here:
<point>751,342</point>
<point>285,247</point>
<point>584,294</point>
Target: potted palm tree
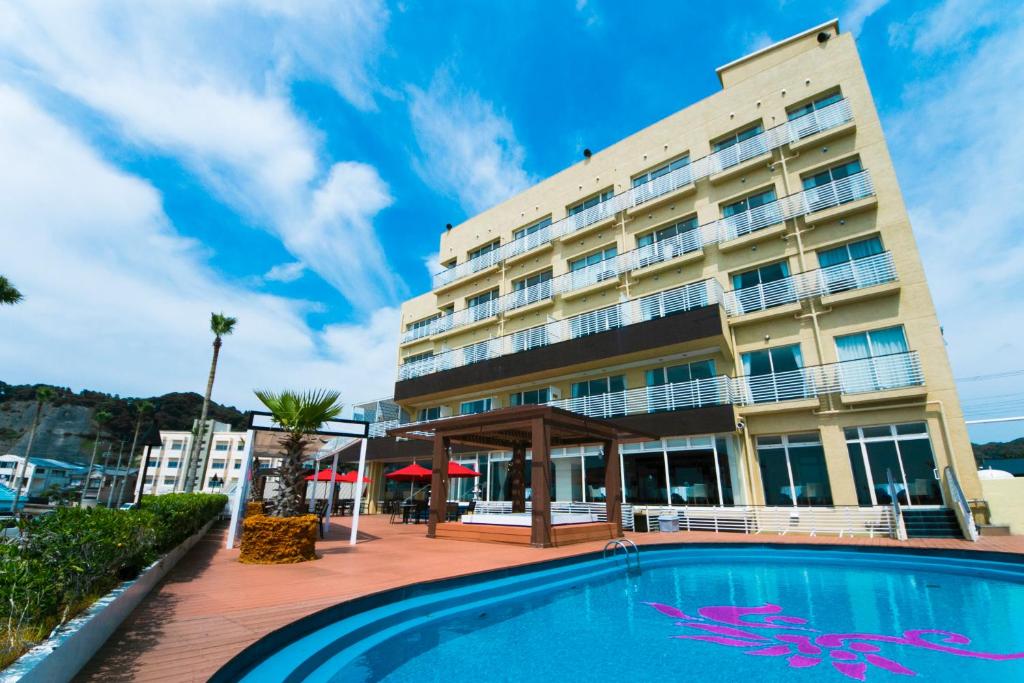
<point>288,534</point>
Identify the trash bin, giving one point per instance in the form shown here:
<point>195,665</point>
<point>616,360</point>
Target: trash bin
<point>668,523</point>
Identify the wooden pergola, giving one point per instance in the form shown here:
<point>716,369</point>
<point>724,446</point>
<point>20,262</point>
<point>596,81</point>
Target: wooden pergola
<point>538,428</point>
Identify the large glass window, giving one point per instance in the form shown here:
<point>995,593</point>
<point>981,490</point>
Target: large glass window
<point>793,470</point>
<point>699,369</point>
<point>832,174</point>
<point>590,202</point>
<point>644,478</point>
<point>763,287</point>
<point>679,392</point>
<point>530,229</point>
<point>481,298</point>
<point>593,472</point>
<point>738,137</point>
<point>902,452</point>
<point>875,360</point>
<point>814,105</point>
<point>774,374</point>
<point>473,407</point>
<point>601,320</point>
<point>421,324</point>
<point>748,203</point>
<point>842,269</point>
<point>418,356</point>
<point>529,398</point>
<point>597,387</point>
<point>478,305</point>
<point>530,281</point>
<point>693,477</point>
<point>661,170</point>
<point>485,249</point>
<point>591,259</point>
<point>433,413</point>
<point>849,252</point>
<point>674,240</point>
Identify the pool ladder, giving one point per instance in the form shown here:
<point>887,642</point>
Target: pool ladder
<point>626,545</point>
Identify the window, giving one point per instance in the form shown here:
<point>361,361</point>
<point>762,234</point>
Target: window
<point>594,322</point>
<point>832,174</point>
<point>533,397</point>
<point>172,464</point>
<point>591,259</point>
<point>480,299</point>
<point>875,360</point>
<point>661,170</point>
<point>168,481</point>
<point>590,202</point>
<point>241,445</point>
<point>176,445</point>
<point>152,463</point>
<point>849,252</point>
<point>418,356</point>
<point>430,414</point>
<point>900,451</point>
<point>842,269</point>
<point>530,338</point>
<point>773,374</point>
<point>597,387</point>
<point>237,465</point>
<point>217,464</point>
<point>530,229</point>
<point>149,479</point>
<point>814,105</point>
<point>689,241</point>
<point>700,369</point>
<point>421,324</point>
<point>672,388</point>
<point>221,445</point>
<point>485,249</point>
<point>531,280</point>
<point>763,287</point>
<point>473,407</point>
<point>748,203</point>
<point>448,265</point>
<point>39,470</point>
<point>738,137</point>
<point>793,470</point>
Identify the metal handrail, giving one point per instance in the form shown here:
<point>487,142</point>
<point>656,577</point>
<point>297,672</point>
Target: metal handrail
<point>625,544</point>
<point>899,528</point>
<point>816,121</point>
<point>961,506</point>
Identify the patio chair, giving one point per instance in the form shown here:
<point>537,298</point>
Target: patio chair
<point>700,492</point>
<point>320,509</point>
<point>451,512</point>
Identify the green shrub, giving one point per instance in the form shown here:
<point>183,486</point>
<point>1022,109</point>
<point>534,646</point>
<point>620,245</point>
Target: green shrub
<point>66,560</point>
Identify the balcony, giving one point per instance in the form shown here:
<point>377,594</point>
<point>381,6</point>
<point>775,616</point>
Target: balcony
<point>856,274</point>
<point>834,115</point>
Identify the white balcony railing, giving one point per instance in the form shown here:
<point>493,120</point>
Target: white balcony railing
<point>851,188</point>
<point>687,297</point>
<point>831,116</point>
<point>855,274</point>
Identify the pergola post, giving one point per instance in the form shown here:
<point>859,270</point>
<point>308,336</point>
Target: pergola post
<point>517,478</point>
<point>438,485</point>
<point>540,482</point>
<point>613,485</point>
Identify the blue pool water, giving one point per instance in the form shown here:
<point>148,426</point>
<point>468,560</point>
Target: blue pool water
<point>763,613</point>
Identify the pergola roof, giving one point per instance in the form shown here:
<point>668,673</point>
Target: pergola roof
<point>267,444</point>
<point>508,428</point>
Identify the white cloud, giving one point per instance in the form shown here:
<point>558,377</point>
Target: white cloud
<point>757,41</point>
<point>947,25</point>
<point>208,83</point>
<point>858,12</point>
<point>432,262</point>
<point>469,151</point>
<point>116,300</point>
<point>958,149</point>
<point>285,272</point>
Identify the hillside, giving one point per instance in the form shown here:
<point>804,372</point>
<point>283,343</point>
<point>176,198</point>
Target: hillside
<point>999,449</point>
<point>66,429</point>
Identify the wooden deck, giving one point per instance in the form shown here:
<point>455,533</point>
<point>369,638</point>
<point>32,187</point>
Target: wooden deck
<point>562,535</point>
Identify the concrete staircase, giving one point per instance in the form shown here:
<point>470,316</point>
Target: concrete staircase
<point>931,524</point>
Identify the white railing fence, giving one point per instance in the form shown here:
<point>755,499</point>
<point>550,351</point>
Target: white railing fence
<point>828,117</point>
<point>504,507</point>
<point>960,506</point>
<point>843,521</point>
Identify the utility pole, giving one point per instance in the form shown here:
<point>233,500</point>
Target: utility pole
<point>103,473</point>
<point>113,484</point>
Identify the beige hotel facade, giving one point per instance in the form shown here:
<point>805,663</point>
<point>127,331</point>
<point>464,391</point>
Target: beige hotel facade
<point>740,279</point>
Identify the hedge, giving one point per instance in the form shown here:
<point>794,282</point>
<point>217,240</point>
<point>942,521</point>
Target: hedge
<point>66,560</point>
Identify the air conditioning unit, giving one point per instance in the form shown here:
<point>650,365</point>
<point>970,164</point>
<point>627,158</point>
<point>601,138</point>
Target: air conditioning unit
<point>554,393</point>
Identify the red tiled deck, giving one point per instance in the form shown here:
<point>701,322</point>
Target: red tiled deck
<point>210,607</point>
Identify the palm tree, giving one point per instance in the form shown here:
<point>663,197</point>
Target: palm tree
<point>142,408</point>
<point>43,395</point>
<point>221,326</point>
<point>100,418</point>
<point>8,292</point>
<point>300,415</point>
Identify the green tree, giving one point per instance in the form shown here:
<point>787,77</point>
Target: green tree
<point>300,415</point>
<point>221,326</point>
<point>142,408</point>
<point>100,418</point>
<point>43,395</point>
<point>9,294</point>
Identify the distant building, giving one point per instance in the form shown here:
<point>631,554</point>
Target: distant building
<point>40,474</point>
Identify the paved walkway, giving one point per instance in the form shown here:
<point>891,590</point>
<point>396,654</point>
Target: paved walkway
<point>210,607</point>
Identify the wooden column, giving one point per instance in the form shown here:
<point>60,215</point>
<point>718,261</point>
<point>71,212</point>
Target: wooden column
<point>613,485</point>
<point>438,485</point>
<point>540,473</point>
<point>517,479</point>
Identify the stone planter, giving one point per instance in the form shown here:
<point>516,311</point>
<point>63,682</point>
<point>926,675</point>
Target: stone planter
<point>278,540</point>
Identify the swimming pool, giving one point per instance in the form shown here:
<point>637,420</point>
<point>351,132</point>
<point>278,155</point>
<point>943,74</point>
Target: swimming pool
<point>718,613</point>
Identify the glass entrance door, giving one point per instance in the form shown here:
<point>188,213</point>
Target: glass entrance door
<point>904,451</point>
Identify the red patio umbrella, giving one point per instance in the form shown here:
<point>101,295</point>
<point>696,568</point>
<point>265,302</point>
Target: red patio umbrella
<point>326,475</point>
<point>457,471</point>
<point>351,477</point>
<point>413,472</point>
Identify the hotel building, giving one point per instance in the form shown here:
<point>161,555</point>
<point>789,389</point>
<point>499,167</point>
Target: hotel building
<point>739,279</point>
<point>220,455</point>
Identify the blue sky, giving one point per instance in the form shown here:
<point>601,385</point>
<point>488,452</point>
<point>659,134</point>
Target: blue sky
<point>293,164</point>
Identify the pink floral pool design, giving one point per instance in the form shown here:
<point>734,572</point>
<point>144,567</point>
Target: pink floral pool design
<point>778,635</point>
